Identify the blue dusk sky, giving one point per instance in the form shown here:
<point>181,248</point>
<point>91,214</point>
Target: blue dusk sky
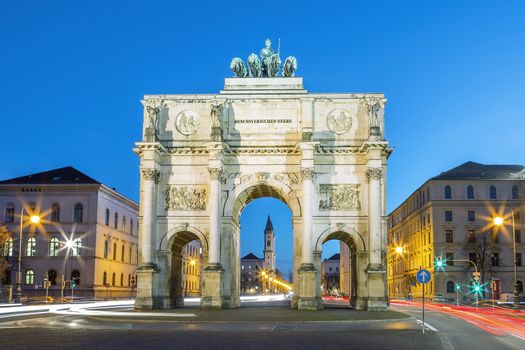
<point>72,74</point>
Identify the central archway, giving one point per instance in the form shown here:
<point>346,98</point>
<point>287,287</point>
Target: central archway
<point>243,196</point>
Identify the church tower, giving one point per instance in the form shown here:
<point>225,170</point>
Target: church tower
<point>269,246</point>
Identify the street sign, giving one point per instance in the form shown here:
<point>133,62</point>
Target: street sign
<point>423,276</point>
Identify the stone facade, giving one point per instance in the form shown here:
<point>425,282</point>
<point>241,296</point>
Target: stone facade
<point>207,156</point>
<point>77,208</point>
<point>450,216</point>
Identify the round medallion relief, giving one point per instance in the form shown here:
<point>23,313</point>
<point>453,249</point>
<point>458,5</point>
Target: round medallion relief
<point>187,122</point>
<point>339,121</point>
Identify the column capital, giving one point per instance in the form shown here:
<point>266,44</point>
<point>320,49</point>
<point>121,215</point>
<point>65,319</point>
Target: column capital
<point>151,174</point>
<point>374,174</point>
<point>307,173</point>
<point>215,173</point>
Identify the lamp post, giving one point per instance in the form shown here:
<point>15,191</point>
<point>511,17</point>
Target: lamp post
<point>498,221</point>
<point>34,219</point>
<point>399,252</point>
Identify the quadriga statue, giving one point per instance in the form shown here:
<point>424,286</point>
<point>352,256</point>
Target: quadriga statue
<point>238,68</point>
<point>254,66</point>
<point>289,67</point>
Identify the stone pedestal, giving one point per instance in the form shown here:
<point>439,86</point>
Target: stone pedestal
<point>377,298</point>
<point>146,299</point>
<point>216,134</point>
<point>309,295</point>
<point>211,293</point>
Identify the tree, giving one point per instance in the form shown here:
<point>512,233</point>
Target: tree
<point>481,249</point>
<point>5,265</point>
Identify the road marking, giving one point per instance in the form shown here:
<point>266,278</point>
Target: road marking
<point>517,336</point>
<point>454,317</point>
<point>427,326</point>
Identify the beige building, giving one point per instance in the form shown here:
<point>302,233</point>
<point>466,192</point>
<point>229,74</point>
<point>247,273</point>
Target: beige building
<point>191,264</point>
<point>205,157</point>
<point>87,234</point>
<point>330,275</point>
<point>451,217</point>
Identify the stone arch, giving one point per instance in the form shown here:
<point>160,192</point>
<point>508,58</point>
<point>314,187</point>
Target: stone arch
<point>357,246</point>
<point>166,242</point>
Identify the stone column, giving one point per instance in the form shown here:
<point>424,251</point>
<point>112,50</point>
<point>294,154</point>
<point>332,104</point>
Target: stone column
<point>374,176</point>
<point>150,177</point>
<point>212,274</point>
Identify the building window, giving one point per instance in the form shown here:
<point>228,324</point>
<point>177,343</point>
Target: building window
<point>517,234</point>
<point>122,280</point>
<point>78,212</point>
<point>30,277</point>
<point>105,278</point>
<point>449,236</point>
<point>517,216</point>
<point>472,257</point>
<point>450,287</point>
<point>495,237</point>
<point>492,191</point>
<point>54,245</point>
<point>448,215</point>
<point>31,246</point>
<point>106,222</point>
<point>106,249</point>
<point>55,213</point>
<point>9,213</point>
<point>131,227</point>
<point>471,215</point>
<point>77,246</point>
<point>471,236</point>
<point>515,192</point>
<point>8,247</point>
<point>449,259</point>
<point>130,253</point>
<point>495,259</point>
<point>114,251</point>
<point>113,279</point>
<point>268,243</point>
<point>122,254</point>
<point>470,192</point>
<point>520,286</point>
<point>115,224</point>
<point>75,276</point>
<point>448,192</point>
<point>124,223</point>
<point>518,259</point>
<point>129,280</point>
<point>52,277</point>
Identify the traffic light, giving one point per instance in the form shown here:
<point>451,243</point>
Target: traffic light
<point>458,286</point>
<point>439,262</point>
<point>476,287</point>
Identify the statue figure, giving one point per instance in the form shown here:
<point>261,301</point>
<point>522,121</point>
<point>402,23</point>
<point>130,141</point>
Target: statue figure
<point>238,68</point>
<point>289,67</point>
<point>254,66</point>
<point>153,116</point>
<point>152,109</point>
<point>373,106</point>
<point>216,112</point>
<point>270,61</point>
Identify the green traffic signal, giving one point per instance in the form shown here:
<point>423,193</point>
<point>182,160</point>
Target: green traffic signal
<point>439,262</point>
<point>458,286</point>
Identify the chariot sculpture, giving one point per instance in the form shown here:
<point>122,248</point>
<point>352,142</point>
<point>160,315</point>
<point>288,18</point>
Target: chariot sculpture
<point>267,66</point>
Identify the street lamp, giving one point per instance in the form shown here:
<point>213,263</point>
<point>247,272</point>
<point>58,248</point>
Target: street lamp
<point>499,221</point>
<point>34,219</point>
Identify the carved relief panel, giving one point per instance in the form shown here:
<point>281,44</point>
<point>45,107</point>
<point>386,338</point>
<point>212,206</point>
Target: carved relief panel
<point>339,197</point>
<point>181,197</point>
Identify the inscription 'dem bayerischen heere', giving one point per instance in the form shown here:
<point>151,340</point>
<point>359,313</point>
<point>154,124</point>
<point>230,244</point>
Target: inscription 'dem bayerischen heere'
<point>263,121</point>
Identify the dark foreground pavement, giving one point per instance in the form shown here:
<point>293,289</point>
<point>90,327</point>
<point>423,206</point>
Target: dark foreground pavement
<point>38,338</point>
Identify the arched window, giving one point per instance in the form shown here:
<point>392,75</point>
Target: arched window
<point>55,213</point>
<point>9,213</point>
<point>105,278</point>
<point>124,223</point>
<point>78,213</point>
<point>113,279</point>
<point>470,192</point>
<point>116,221</point>
<point>129,280</point>
<point>52,277</point>
<point>122,280</point>
<point>450,287</point>
<point>54,245</point>
<point>31,246</point>
<point>131,227</point>
<point>77,245</point>
<point>8,247</point>
<point>122,254</point>
<point>75,276</point>
<point>492,191</point>
<point>106,222</point>
<point>30,277</point>
<point>515,192</point>
<point>448,192</point>
<point>106,249</point>
<point>114,251</point>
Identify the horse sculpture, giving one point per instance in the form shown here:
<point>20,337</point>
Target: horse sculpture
<point>254,66</point>
<point>289,67</point>
<point>274,63</point>
<point>238,68</point>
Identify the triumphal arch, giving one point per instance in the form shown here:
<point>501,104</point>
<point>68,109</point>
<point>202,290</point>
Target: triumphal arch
<point>204,157</point>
